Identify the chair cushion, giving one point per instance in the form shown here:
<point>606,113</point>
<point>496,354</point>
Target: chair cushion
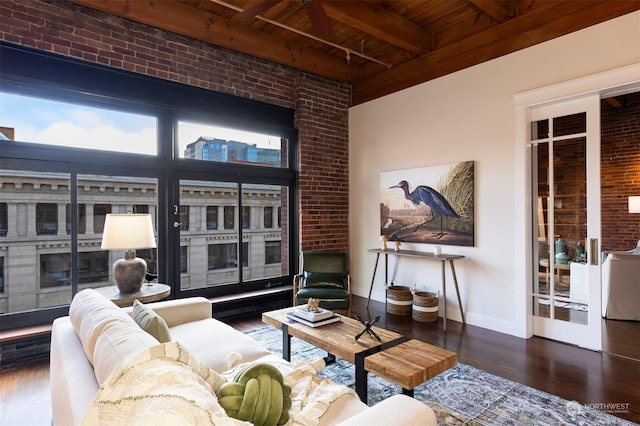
<point>150,322</point>
<point>324,279</point>
<point>330,298</point>
<point>323,293</point>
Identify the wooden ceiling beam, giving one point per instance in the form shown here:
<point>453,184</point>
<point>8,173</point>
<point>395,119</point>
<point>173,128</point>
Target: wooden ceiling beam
<point>192,22</point>
<point>499,10</point>
<point>373,19</point>
<point>543,23</point>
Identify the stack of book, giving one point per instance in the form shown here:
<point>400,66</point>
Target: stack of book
<point>315,318</point>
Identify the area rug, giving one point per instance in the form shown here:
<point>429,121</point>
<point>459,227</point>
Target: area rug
<point>463,395</point>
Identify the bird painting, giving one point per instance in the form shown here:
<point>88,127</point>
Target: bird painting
<point>431,205</point>
<point>428,196</point>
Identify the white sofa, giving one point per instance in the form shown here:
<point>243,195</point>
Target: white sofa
<point>621,285</point>
<point>99,343</point>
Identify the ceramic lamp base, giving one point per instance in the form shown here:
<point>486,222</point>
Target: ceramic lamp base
<point>128,273</point>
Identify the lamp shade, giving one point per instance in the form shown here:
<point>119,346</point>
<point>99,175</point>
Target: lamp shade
<point>128,232</point>
<point>634,204</point>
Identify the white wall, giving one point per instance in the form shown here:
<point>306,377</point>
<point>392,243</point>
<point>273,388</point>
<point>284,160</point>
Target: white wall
<point>469,115</point>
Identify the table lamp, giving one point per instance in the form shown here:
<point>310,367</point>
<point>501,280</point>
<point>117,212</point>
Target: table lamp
<point>634,204</point>
<point>128,232</point>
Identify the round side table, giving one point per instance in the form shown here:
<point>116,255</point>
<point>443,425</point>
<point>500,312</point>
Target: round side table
<point>148,293</point>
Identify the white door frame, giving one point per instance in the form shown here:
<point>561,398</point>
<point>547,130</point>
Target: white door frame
<point>586,335</point>
<point>609,83</point>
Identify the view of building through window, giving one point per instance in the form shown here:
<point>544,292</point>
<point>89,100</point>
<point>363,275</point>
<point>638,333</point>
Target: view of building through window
<point>229,232</point>
<point>202,235</point>
<point>229,145</point>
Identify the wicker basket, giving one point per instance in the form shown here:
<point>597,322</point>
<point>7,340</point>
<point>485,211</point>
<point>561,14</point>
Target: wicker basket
<point>425,306</point>
<point>399,300</point>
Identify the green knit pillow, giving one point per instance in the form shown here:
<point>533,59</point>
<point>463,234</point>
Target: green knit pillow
<point>150,322</point>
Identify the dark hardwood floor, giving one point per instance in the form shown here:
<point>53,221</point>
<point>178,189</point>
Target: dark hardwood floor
<point>593,378</point>
<point>573,373</point>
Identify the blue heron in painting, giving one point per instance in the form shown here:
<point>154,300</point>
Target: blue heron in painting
<point>429,197</point>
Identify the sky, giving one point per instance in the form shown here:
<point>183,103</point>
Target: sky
<point>63,124</point>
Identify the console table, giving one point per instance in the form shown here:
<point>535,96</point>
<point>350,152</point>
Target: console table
<point>442,258</point>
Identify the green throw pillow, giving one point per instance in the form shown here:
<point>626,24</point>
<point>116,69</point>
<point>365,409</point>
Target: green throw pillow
<point>150,322</point>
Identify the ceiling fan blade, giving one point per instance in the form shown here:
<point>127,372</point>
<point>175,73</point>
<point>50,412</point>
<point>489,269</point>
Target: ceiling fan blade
<point>259,8</point>
<point>318,17</point>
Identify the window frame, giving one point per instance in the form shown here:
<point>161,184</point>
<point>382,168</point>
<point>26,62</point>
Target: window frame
<point>30,72</point>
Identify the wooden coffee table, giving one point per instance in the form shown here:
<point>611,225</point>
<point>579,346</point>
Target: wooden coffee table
<point>398,359</point>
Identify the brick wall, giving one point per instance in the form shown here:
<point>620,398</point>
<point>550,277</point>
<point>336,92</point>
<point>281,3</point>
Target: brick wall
<point>620,169</point>
<point>321,104</point>
<point>324,192</point>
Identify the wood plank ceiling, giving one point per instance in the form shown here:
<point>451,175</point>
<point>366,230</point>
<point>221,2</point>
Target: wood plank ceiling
<point>380,46</point>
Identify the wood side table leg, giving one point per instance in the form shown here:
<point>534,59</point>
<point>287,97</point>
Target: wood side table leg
<point>444,298</point>
<point>455,281</point>
<point>408,392</point>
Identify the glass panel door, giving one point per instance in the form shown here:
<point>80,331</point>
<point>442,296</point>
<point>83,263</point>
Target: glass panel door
<point>566,285</point>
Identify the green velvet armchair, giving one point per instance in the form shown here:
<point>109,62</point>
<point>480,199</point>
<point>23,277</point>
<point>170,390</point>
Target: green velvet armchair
<point>325,276</point>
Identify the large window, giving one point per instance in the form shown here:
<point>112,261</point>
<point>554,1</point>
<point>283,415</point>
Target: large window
<point>83,148</point>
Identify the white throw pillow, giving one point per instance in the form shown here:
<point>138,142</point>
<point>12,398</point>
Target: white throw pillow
<point>90,313</point>
<point>119,341</point>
